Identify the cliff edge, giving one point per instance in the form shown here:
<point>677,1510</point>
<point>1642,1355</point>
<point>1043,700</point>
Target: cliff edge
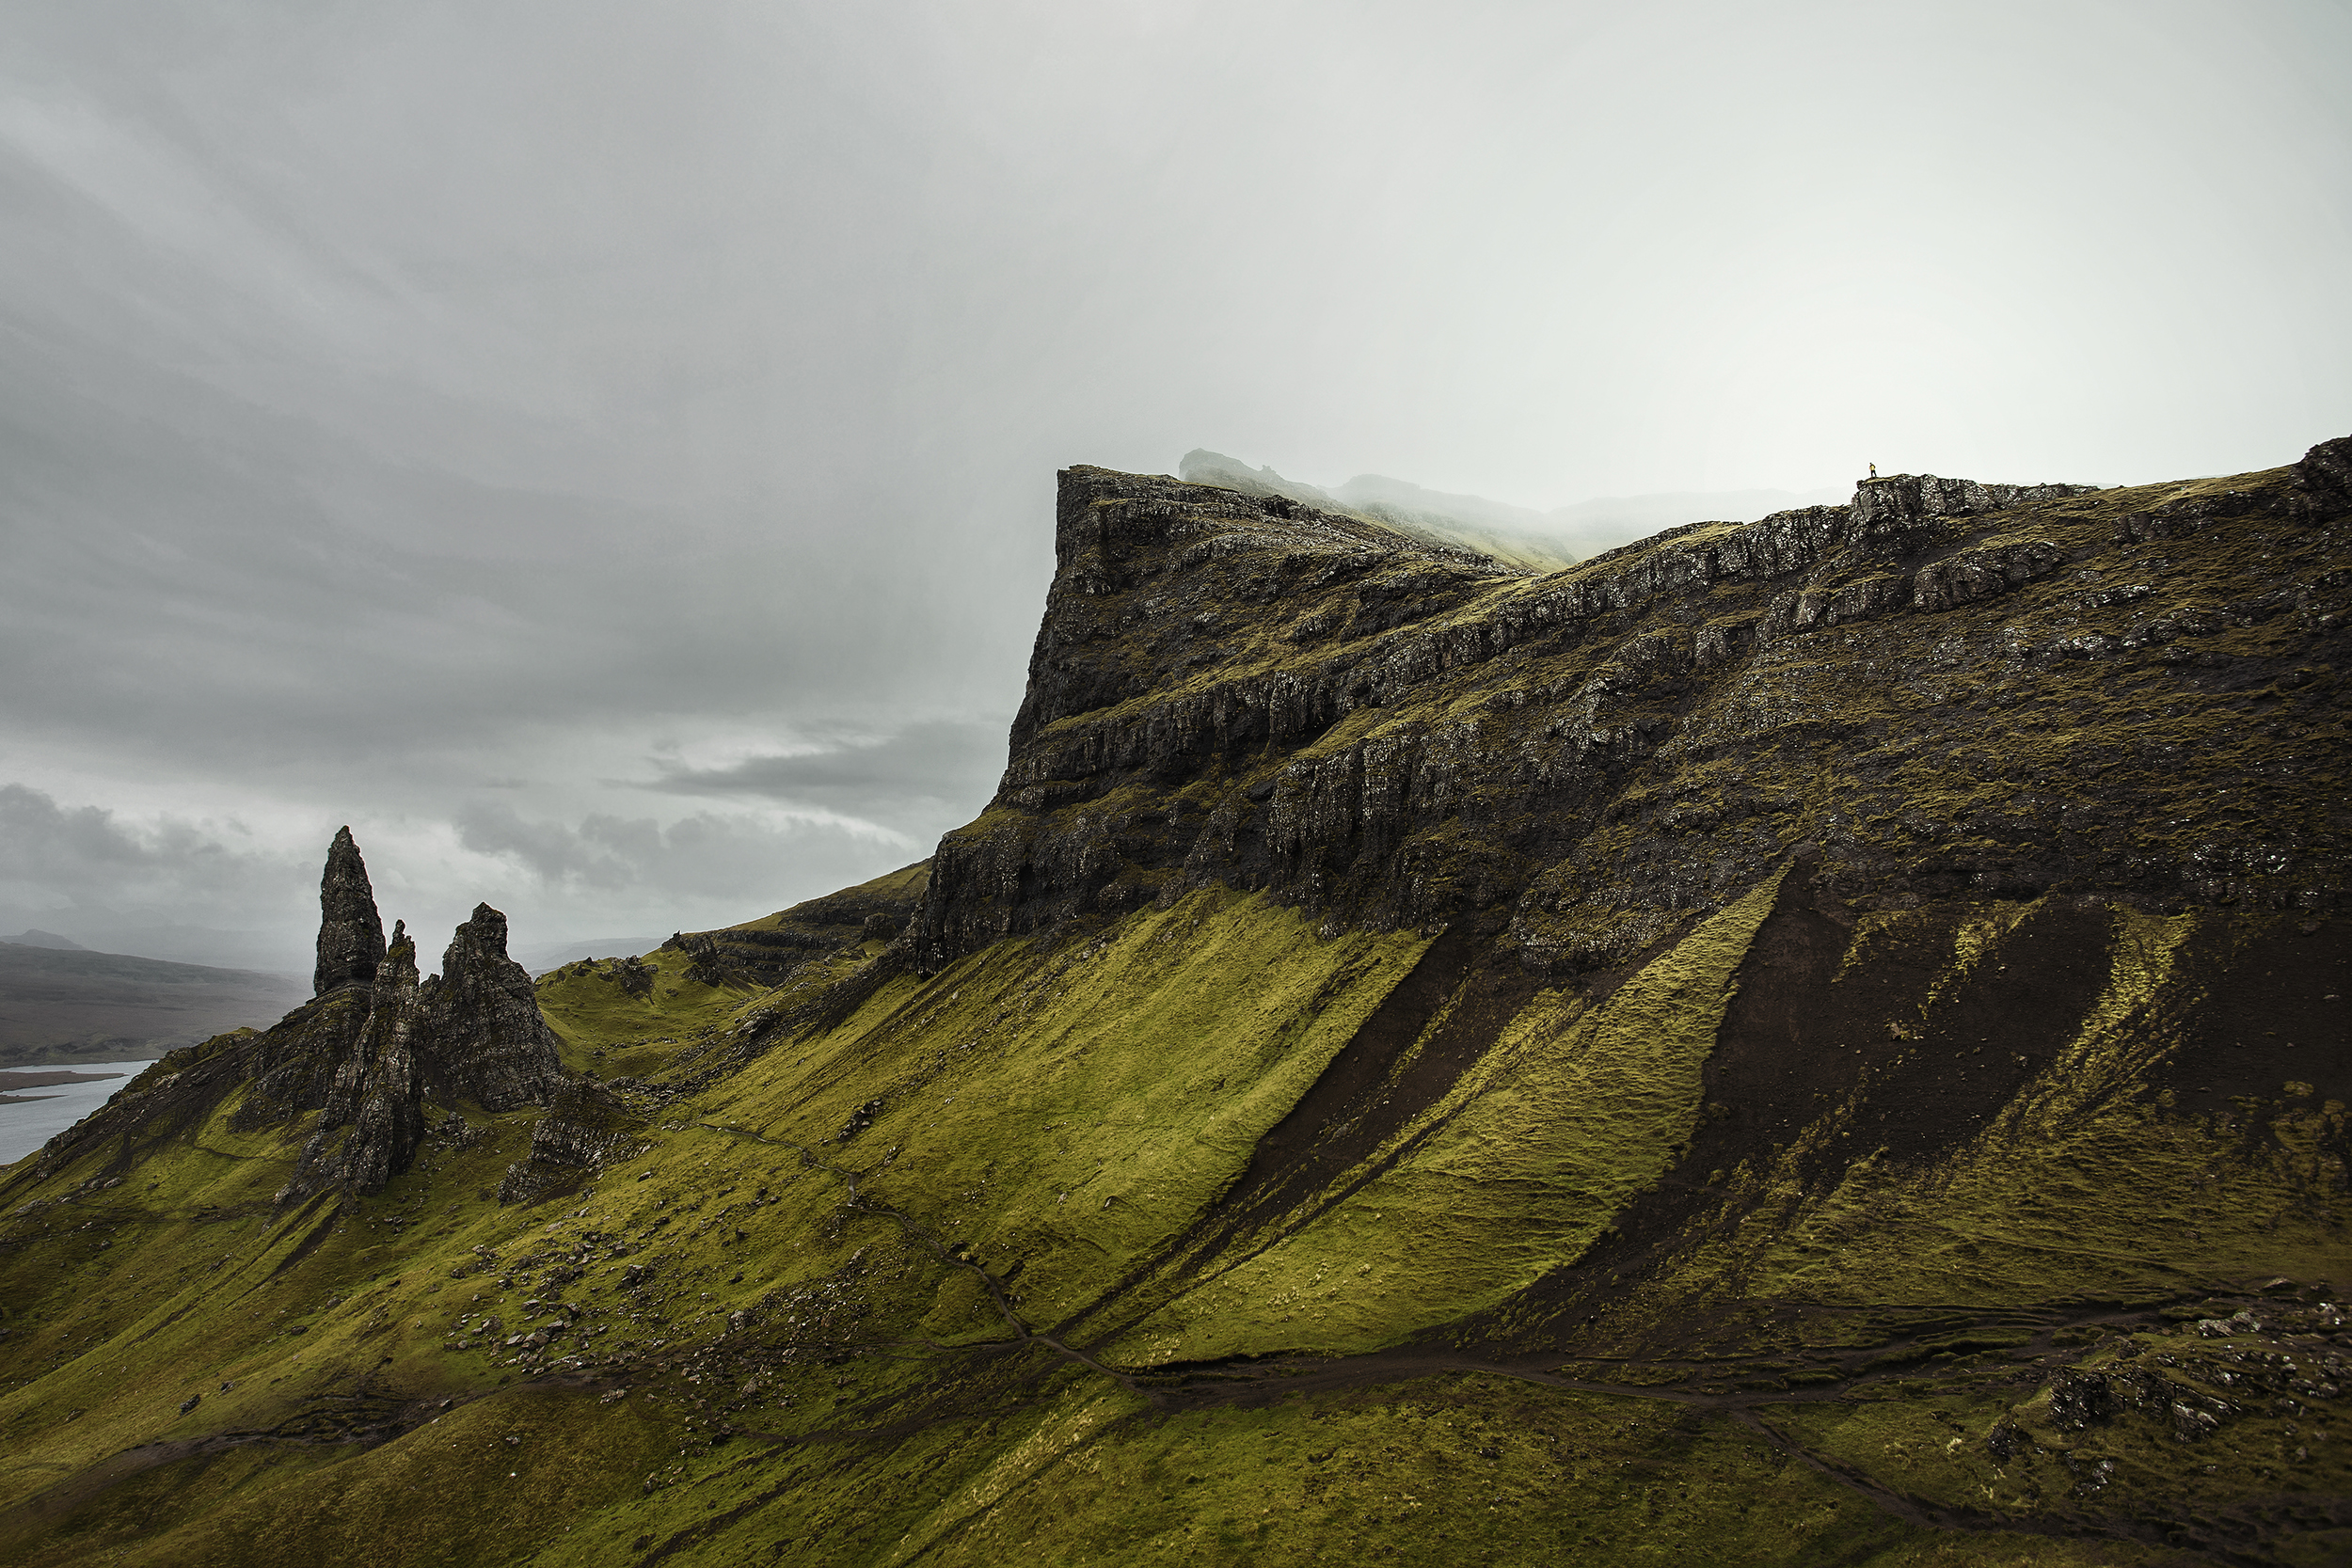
<point>1951,687</point>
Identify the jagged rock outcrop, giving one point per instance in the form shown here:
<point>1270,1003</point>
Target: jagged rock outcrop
<point>471,1034</point>
<point>374,1117</point>
<point>481,1038</point>
<point>587,1126</point>
<point>1889,507</point>
<point>1954,687</point>
<point>2324,479</point>
<point>633,975</point>
<point>351,932</point>
<point>378,1054</point>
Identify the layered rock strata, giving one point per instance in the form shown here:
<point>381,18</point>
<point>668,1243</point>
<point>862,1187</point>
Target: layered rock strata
<point>771,951</point>
<point>1953,688</point>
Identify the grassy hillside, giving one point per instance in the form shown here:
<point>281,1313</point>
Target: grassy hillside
<point>994,1267</point>
<point>1144,1200</point>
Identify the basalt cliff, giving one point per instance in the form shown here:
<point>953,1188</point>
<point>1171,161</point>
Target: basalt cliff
<point>1818,1039</point>
<point>1953,689</point>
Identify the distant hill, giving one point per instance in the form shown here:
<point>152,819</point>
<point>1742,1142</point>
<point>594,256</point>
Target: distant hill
<point>36,938</point>
<point>70,1004</point>
<point>1609,521</point>
<point>95,929</point>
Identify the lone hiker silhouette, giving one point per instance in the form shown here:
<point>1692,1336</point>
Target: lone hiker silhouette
<point>1874,471</point>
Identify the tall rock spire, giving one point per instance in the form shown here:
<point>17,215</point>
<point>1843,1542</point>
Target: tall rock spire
<point>351,933</point>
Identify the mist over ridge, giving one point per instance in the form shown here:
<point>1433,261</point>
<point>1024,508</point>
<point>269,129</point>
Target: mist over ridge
<point>1519,535</point>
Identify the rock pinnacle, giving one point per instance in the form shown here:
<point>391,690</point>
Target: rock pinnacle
<point>351,933</point>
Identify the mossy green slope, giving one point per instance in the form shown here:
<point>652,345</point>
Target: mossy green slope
<point>1211,1220</point>
<point>896,1387</point>
<point>1511,1174</point>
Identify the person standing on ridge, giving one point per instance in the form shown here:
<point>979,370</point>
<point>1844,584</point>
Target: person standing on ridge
<point>1874,471</point>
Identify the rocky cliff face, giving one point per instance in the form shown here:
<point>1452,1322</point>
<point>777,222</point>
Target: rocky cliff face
<point>1952,688</point>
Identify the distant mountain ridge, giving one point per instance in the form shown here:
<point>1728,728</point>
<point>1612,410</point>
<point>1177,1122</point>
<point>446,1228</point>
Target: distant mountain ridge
<point>72,1005</point>
<point>1510,535</point>
<point>1621,519</point>
<point>36,938</point>
<point>555,955</point>
<point>145,934</point>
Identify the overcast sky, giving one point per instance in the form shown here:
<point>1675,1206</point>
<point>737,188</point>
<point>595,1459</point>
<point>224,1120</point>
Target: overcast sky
<point>604,452</point>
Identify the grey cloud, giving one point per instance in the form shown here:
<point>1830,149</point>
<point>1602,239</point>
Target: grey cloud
<point>84,868</point>
<point>175,888</point>
<point>71,851</point>
<point>918,768</point>
<point>687,864</point>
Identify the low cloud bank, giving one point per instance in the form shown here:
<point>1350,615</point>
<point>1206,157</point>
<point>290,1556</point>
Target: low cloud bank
<point>771,831</point>
<point>1521,534</point>
<point>732,863</point>
<point>176,889</point>
<point>889,779</point>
